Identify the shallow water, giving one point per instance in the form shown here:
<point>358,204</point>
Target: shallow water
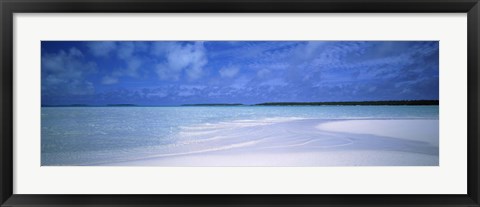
<point>97,135</point>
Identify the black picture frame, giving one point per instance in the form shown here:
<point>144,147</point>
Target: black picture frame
<point>9,7</point>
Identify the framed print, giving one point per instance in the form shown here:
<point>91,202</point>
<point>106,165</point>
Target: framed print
<point>258,103</point>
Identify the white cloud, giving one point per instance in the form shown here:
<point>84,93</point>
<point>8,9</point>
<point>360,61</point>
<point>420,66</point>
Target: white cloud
<point>274,82</point>
<point>108,80</point>
<point>263,73</point>
<point>216,93</point>
<point>63,73</point>
<point>190,58</point>
<point>190,87</point>
<point>194,73</point>
<point>186,93</point>
<point>80,87</point>
<point>133,65</point>
<point>157,94</point>
<point>125,50</point>
<point>101,48</point>
<point>240,83</point>
<point>74,52</point>
<point>311,48</point>
<point>165,73</point>
<point>161,48</point>
<point>228,72</point>
<point>128,53</point>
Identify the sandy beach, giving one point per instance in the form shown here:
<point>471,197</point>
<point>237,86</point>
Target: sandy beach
<point>291,141</point>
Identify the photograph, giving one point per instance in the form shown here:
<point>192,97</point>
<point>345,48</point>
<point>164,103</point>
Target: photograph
<point>240,103</point>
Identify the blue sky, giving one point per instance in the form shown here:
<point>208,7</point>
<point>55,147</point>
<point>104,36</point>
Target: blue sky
<point>174,73</point>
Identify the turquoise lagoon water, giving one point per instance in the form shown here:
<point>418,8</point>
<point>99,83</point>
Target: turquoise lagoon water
<point>95,135</point>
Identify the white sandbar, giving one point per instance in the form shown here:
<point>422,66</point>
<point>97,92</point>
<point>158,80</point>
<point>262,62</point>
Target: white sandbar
<point>301,142</point>
<point>419,130</point>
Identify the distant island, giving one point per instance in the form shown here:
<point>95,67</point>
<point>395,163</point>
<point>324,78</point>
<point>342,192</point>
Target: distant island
<point>67,105</point>
<point>331,103</point>
<point>214,104</point>
<point>121,105</point>
<point>86,105</point>
<point>352,103</point>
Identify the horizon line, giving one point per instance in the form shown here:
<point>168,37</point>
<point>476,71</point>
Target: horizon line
<point>284,103</point>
